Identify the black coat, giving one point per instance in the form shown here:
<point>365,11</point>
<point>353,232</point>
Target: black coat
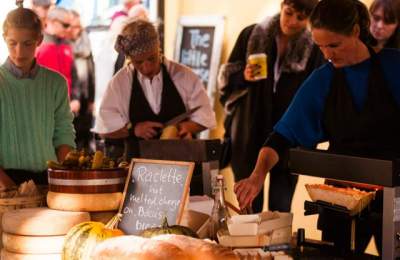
<point>253,108</point>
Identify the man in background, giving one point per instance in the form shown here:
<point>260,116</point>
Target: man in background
<point>85,81</point>
<point>41,8</point>
<point>56,53</point>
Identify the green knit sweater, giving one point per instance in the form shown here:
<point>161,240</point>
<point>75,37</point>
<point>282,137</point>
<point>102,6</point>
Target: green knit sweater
<point>35,118</point>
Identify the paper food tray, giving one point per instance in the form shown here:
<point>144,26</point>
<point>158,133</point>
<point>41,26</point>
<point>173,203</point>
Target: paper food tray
<point>353,199</point>
<point>278,236</point>
<point>258,224</point>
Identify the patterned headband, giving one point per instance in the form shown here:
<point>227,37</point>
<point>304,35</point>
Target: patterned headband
<point>132,45</point>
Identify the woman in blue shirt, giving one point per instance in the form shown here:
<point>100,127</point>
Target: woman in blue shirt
<point>352,102</point>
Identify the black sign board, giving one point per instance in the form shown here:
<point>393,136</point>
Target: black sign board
<point>196,49</point>
<point>154,189</point>
<point>198,46</point>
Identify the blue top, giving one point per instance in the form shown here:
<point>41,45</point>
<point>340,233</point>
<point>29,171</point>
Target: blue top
<point>302,123</point>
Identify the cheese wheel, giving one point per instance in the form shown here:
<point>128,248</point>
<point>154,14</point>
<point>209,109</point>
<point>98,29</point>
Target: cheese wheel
<point>33,244</point>
<point>5,255</point>
<point>102,216</point>
<point>41,221</point>
<point>84,202</point>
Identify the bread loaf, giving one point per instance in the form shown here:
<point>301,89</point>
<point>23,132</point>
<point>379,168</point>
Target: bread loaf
<point>137,248</point>
<point>198,249</point>
<point>353,199</point>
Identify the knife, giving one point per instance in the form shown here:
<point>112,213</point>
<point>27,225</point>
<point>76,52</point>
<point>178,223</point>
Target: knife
<point>181,117</point>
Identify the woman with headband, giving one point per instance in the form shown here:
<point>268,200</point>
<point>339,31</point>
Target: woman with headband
<point>148,92</point>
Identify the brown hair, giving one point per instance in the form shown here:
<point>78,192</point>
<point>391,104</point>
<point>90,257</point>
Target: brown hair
<point>23,18</point>
<point>391,10</point>
<point>302,6</point>
<point>340,16</point>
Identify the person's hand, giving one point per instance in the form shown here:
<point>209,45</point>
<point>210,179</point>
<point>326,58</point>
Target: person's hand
<point>5,181</point>
<point>147,130</point>
<point>251,71</point>
<point>247,189</point>
<point>184,131</point>
<point>75,106</point>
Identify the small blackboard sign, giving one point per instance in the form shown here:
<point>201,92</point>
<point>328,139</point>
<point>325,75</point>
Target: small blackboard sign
<point>154,189</point>
<point>196,49</point>
<point>199,45</point>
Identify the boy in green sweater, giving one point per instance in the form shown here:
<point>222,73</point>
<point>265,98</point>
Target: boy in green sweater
<point>35,117</point>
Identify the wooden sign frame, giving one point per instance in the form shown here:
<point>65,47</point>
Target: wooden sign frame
<point>216,21</point>
<point>185,192</point>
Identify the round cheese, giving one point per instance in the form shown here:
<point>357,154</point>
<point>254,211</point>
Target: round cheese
<point>5,255</point>
<point>33,244</point>
<point>102,216</point>
<point>84,202</point>
<point>41,221</point>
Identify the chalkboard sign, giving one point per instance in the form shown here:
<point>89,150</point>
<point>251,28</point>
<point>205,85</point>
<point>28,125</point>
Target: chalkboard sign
<point>154,189</point>
<point>198,46</point>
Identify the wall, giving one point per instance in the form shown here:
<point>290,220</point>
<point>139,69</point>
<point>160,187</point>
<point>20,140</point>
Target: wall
<point>238,14</point>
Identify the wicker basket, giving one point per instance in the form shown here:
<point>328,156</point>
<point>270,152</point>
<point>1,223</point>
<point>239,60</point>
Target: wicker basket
<point>9,202</point>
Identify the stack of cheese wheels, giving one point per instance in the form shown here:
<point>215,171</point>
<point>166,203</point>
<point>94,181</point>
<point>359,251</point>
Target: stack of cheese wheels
<point>37,233</point>
<point>86,190</point>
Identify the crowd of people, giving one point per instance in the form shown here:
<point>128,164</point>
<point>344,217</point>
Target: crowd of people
<point>48,88</point>
<point>329,78</point>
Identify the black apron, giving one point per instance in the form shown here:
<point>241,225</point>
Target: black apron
<point>140,110</point>
<point>371,132</point>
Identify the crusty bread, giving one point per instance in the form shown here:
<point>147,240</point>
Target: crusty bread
<point>353,199</point>
<point>137,248</point>
<point>163,247</point>
<point>198,249</point>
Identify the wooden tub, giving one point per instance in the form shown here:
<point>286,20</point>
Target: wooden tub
<point>87,181</point>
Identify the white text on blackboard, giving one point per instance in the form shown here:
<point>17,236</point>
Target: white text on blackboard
<point>164,176</point>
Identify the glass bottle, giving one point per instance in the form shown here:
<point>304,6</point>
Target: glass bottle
<point>219,213</point>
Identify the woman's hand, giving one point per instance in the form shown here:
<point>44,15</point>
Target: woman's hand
<point>185,130</point>
<point>148,129</point>
<point>247,189</point>
<point>251,71</point>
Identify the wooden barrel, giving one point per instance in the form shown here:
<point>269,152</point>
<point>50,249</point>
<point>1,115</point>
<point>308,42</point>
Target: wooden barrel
<point>87,181</point>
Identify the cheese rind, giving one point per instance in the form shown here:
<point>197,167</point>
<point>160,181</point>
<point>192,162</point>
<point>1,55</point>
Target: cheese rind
<point>33,244</point>
<point>102,216</point>
<point>41,221</point>
<point>5,255</point>
<point>84,202</point>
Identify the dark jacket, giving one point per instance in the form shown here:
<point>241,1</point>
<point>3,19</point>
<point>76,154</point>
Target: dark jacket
<point>253,108</point>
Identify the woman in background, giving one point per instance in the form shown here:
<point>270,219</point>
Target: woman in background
<point>253,106</point>
<point>384,26</point>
